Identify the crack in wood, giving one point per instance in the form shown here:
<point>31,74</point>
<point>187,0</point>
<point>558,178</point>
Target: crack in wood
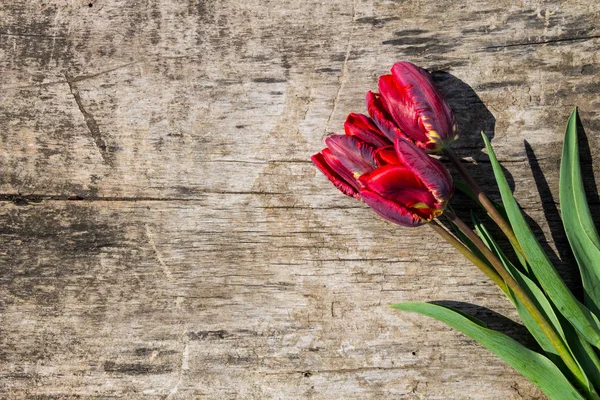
<point>91,123</point>
<point>185,355</point>
<point>344,74</point>
<point>164,266</point>
<point>84,77</point>
<point>25,199</point>
<point>542,42</point>
<point>307,374</point>
<point>32,35</point>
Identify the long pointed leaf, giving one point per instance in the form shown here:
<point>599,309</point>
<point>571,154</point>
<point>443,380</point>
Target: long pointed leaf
<point>580,349</point>
<point>534,366</point>
<point>584,353</point>
<point>577,218</point>
<point>552,284</point>
<point>532,290</point>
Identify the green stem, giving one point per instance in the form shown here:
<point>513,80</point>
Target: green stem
<point>479,263</point>
<point>539,318</point>
<point>485,202</point>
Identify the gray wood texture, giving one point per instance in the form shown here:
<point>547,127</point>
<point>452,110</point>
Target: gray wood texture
<point>164,236</point>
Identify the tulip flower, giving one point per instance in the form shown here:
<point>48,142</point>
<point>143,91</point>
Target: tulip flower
<point>409,105</point>
<point>399,181</point>
<point>383,161</point>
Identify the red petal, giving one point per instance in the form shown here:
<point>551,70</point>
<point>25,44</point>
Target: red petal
<point>389,210</point>
<point>349,188</point>
<point>357,156</point>
<point>392,176</point>
<point>336,164</point>
<point>386,155</point>
<point>400,185</point>
<point>380,116</point>
<point>363,128</point>
<point>399,101</point>
<point>432,173</point>
<point>434,116</point>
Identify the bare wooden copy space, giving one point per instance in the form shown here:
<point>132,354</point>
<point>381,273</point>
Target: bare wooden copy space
<point>164,236</point>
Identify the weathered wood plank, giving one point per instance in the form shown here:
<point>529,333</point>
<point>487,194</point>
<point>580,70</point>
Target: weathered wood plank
<point>164,295</point>
<point>164,235</point>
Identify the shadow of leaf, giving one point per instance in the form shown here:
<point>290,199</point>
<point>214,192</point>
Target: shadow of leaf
<point>494,321</point>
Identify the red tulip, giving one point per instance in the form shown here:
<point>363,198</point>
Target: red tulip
<point>412,189</point>
<point>410,105</point>
<point>399,181</point>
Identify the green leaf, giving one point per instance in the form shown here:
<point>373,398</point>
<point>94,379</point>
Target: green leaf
<point>533,366</point>
<point>532,290</point>
<point>584,353</point>
<point>580,349</point>
<point>577,218</point>
<point>552,284</point>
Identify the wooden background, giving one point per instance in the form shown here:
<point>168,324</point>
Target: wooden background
<point>164,236</point>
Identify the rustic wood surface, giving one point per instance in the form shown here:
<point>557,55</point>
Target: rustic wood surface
<point>164,236</point>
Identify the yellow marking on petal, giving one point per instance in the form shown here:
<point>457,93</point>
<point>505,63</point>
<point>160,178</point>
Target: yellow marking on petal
<point>436,213</point>
<point>356,175</point>
<point>420,205</point>
<point>434,134</point>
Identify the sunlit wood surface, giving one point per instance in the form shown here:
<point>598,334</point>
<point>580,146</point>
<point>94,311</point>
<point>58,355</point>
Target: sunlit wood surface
<point>163,234</point>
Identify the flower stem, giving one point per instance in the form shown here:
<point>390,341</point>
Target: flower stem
<point>518,291</point>
<point>479,263</point>
<point>485,202</point>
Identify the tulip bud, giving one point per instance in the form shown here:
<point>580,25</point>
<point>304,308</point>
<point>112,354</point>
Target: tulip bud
<point>409,105</point>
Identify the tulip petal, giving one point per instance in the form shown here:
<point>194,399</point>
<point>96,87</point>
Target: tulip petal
<point>425,101</point>
<point>389,210</point>
<point>400,103</point>
<point>325,162</point>
<point>402,186</point>
<point>339,168</point>
<point>357,156</point>
<point>363,128</point>
<point>381,117</point>
<point>386,155</point>
<point>432,173</point>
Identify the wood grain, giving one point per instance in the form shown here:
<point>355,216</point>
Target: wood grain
<point>164,235</point>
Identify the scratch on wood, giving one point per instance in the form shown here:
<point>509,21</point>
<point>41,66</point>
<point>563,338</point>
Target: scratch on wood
<point>30,35</point>
<point>164,266</point>
<point>84,77</point>
<point>542,42</point>
<point>185,356</point>
<point>343,78</point>
<point>333,371</point>
<point>54,38</point>
<point>90,121</point>
<point>344,75</point>
<point>24,199</point>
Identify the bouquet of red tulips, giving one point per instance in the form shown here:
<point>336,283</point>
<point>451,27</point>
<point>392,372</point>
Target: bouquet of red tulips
<point>385,160</point>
